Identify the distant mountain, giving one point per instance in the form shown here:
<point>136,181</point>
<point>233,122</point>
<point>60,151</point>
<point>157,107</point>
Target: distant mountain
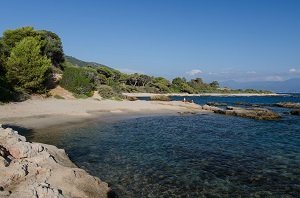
<point>82,63</point>
<point>288,86</point>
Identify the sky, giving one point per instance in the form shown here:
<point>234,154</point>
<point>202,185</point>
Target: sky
<point>242,40</point>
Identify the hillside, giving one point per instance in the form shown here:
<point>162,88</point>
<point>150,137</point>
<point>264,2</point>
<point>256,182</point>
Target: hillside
<point>81,63</point>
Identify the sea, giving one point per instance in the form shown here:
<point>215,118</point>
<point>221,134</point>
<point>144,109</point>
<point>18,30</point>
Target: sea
<point>202,155</point>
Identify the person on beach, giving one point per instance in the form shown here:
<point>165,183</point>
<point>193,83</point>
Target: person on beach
<point>184,100</point>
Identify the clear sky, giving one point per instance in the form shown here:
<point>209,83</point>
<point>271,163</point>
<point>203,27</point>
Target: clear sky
<point>245,40</point>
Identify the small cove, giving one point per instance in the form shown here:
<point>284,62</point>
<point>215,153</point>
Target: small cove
<point>190,155</point>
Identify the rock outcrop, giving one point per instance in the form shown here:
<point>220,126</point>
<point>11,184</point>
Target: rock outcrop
<point>289,105</point>
<point>40,170</point>
<point>254,113</point>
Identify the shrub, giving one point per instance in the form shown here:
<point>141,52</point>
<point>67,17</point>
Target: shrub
<point>160,98</point>
<point>75,80</point>
<point>26,68</point>
<point>108,92</point>
<point>6,91</point>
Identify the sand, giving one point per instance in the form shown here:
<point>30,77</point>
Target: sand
<point>42,113</point>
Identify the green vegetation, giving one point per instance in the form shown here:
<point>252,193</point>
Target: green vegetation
<point>25,68</point>
<point>29,58</point>
<point>77,81</point>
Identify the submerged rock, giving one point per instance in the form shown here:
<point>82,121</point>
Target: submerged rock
<point>40,170</point>
<point>216,104</point>
<point>254,113</point>
<point>295,112</point>
<point>288,105</point>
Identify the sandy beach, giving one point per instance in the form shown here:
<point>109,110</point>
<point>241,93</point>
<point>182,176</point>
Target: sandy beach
<point>41,113</point>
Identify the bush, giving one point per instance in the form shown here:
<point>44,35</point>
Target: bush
<point>75,80</point>
<point>6,91</point>
<point>108,92</point>
<point>160,98</point>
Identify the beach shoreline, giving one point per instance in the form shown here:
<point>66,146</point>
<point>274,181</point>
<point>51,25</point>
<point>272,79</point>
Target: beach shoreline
<point>203,94</point>
<point>43,113</point>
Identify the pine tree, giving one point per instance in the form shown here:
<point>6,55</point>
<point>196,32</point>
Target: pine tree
<point>26,67</point>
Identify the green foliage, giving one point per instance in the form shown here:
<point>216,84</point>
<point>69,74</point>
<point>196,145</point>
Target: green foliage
<point>181,85</point>
<point>6,91</point>
<point>1,61</point>
<point>12,37</point>
<point>52,47</point>
<point>108,92</point>
<point>162,85</point>
<point>76,80</point>
<point>26,68</point>
<point>76,62</point>
<point>214,84</point>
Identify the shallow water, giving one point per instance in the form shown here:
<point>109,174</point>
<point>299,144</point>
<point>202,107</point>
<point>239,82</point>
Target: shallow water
<point>190,156</point>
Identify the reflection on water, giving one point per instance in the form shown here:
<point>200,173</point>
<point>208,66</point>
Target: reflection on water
<point>189,156</point>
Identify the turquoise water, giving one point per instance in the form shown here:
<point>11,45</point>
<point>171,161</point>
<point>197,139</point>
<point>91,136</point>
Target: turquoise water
<point>191,156</point>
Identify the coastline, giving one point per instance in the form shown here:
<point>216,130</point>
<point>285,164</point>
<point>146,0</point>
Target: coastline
<point>202,94</point>
<point>43,113</point>
<point>50,166</point>
<point>29,169</point>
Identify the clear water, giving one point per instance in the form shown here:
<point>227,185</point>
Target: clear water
<point>191,156</point>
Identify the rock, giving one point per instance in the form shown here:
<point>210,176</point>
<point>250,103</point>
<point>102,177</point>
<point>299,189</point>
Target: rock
<point>160,98</point>
<point>3,162</point>
<point>254,113</point>
<point>288,105</point>
<point>210,108</point>
<point>25,150</point>
<point>216,104</point>
<point>187,112</point>
<point>295,112</point>
<point>40,170</point>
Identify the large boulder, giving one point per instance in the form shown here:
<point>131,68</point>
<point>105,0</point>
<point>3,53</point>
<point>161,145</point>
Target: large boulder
<point>40,170</point>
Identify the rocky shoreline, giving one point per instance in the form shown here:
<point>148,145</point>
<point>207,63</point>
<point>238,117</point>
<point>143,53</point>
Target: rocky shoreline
<point>253,113</point>
<point>40,170</point>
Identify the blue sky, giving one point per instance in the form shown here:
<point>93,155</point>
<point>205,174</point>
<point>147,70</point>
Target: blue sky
<point>244,40</point>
